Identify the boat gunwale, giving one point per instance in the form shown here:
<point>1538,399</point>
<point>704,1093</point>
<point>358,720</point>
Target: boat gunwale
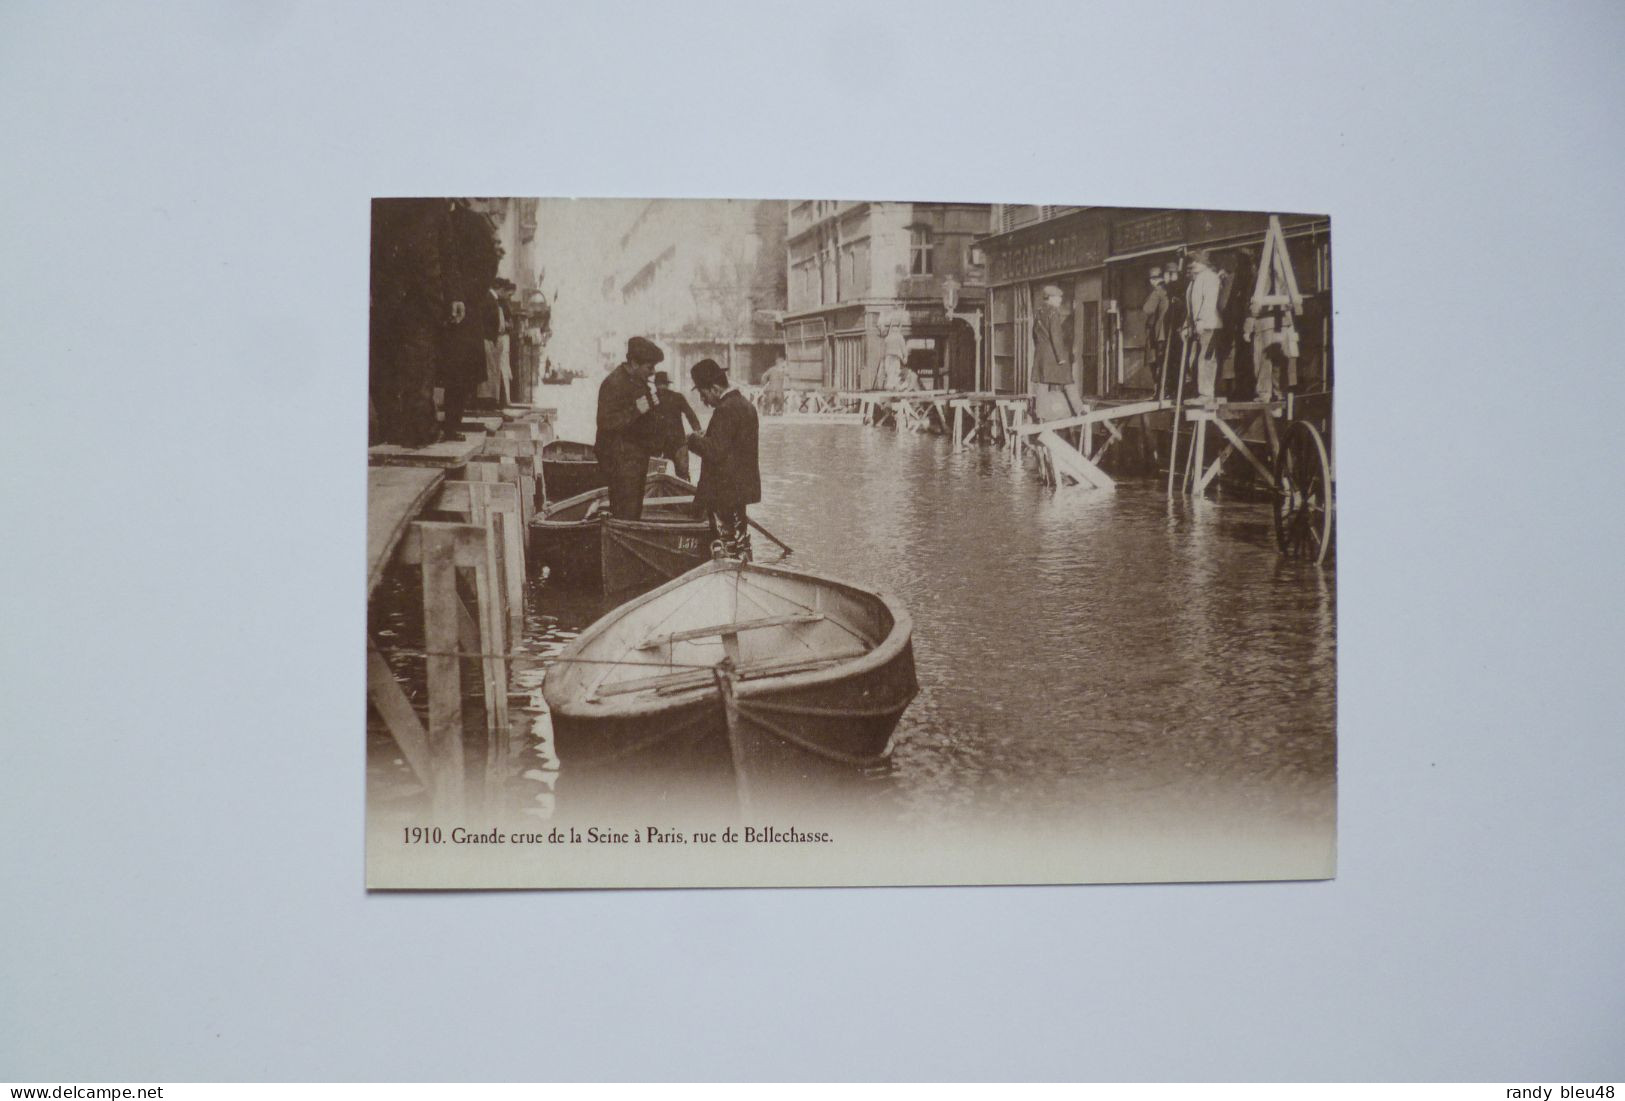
<point>636,705</point>
<point>546,458</point>
<point>546,523</point>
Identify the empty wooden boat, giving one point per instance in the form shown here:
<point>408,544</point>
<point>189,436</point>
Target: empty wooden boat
<point>581,545</point>
<point>569,468</point>
<point>759,675</point>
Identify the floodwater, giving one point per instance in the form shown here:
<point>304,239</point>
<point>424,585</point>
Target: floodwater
<point>1116,656</point>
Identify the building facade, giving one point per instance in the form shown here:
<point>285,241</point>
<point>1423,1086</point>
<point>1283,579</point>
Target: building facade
<point>704,279</point>
<point>865,278</point>
<point>1101,258</point>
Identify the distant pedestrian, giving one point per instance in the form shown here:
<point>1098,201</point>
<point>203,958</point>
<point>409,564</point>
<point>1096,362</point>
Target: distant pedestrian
<point>893,349</point>
<point>730,471</point>
<point>1155,312</point>
<point>1202,321</point>
<point>773,389</point>
<point>671,410</point>
<point>627,429</point>
<point>1052,356</point>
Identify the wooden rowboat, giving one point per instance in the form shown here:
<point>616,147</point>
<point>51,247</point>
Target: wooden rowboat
<point>569,468</point>
<point>759,676</point>
<point>582,545</point>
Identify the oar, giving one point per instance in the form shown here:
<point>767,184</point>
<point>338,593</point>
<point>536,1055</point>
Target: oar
<point>781,543</point>
<point>1179,405</point>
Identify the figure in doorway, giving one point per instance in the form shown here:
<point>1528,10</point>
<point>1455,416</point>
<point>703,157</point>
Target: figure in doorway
<point>1052,357</point>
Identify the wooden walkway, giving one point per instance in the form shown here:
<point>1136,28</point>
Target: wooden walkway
<point>395,496</point>
<point>487,483</point>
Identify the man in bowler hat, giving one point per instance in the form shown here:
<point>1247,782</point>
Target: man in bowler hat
<point>671,410</point>
<point>628,430</point>
<point>730,473</point>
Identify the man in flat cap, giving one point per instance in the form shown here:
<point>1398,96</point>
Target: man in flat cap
<point>627,428</point>
<point>730,471</point>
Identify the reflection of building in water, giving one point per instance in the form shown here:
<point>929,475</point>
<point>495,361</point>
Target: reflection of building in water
<point>704,279</point>
<point>866,282</point>
<point>1102,259</point>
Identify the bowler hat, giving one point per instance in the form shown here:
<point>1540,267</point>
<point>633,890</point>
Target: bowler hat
<point>662,378</point>
<point>707,372</point>
<point>639,350</point>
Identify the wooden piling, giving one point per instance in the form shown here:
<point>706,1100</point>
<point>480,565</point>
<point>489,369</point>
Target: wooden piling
<point>445,733</point>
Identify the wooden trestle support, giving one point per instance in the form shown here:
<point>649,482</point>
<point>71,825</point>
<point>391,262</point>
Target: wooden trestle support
<point>488,484</point>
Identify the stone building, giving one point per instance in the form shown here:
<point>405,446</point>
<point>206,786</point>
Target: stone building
<point>860,272</point>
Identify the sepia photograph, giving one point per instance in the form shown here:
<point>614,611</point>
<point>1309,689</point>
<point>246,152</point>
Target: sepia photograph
<point>757,543</point>
<point>911,637</point>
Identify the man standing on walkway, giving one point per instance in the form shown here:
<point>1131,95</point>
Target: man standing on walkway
<point>1052,357</point>
<point>730,471</point>
<point>627,429</point>
<point>1202,321</point>
<point>1155,312</point>
<point>671,409</point>
<point>462,345</point>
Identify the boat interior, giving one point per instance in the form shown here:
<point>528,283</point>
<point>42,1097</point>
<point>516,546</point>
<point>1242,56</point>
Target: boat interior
<point>766,622</point>
<point>569,451</point>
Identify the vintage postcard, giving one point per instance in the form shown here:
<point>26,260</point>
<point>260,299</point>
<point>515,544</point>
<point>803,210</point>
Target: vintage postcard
<point>827,542</point>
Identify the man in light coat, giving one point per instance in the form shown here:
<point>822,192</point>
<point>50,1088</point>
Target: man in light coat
<point>1202,321</point>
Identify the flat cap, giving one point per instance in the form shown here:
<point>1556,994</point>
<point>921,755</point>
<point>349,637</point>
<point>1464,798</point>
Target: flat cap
<point>643,351</point>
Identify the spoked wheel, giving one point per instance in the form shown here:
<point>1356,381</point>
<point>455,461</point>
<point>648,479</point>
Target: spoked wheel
<point>1303,495</point>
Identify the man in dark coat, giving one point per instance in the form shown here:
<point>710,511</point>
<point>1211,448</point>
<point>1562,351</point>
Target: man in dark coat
<point>1155,311</point>
<point>671,409</point>
<point>1052,356</point>
<point>462,349</point>
<point>414,289</point>
<point>731,476</point>
<point>628,431</point>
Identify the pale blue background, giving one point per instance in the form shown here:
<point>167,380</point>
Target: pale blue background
<point>185,246</point>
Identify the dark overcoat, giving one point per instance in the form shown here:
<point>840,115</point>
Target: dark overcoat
<point>731,475</point>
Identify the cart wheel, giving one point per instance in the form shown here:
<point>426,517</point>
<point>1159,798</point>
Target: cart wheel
<point>1303,495</point>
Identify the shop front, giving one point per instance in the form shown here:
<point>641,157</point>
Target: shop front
<point>1103,261</point>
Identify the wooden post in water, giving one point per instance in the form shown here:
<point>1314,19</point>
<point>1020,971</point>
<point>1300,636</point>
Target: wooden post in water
<point>439,556</point>
<point>724,675</point>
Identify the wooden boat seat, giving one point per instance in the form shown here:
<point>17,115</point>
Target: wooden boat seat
<point>669,683</point>
<point>723,629</point>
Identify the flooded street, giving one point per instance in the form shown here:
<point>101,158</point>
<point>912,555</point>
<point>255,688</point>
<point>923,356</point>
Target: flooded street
<point>1114,660</point>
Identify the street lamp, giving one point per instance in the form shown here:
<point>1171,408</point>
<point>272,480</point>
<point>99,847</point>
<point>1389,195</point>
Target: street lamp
<point>950,300</point>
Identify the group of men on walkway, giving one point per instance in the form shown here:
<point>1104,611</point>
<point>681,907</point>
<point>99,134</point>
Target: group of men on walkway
<point>440,318</point>
<point>1207,316</point>
<point>640,416</point>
